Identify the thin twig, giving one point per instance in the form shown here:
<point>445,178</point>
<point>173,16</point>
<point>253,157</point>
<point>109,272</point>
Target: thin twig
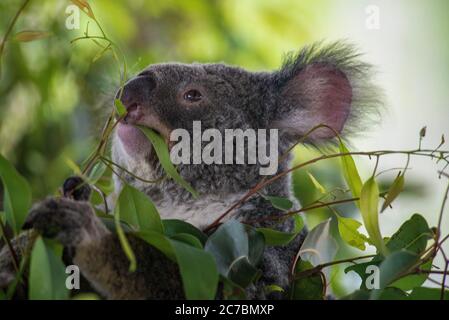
<point>260,185</point>
<point>8,31</point>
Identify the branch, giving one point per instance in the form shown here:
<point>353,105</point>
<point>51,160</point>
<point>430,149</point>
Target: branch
<point>8,31</point>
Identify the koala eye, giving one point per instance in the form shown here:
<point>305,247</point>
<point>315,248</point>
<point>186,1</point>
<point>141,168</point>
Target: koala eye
<point>193,95</point>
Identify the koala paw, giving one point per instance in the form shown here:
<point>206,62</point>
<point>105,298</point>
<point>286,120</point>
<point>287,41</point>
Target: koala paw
<point>68,221</point>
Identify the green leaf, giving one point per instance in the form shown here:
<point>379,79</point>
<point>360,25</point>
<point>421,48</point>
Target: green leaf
<point>243,272</point>
<point>159,241</point>
<point>311,287</point>
<point>279,238</point>
<point>86,296</point>
<point>256,245</point>
<point>74,166</point>
<point>369,201</point>
<point>280,203</point>
<point>163,155</point>
<point>173,227</point>
<point>188,239</point>
<point>414,280</point>
<point>47,272</point>
<point>411,236</point>
<point>198,269</point>
<point>119,107</point>
<point>237,251</point>
<point>348,229</point>
<point>350,172</point>
<point>124,241</point>
<point>138,210</point>
<point>423,293</point>
<point>360,269</point>
<point>315,182</point>
<point>273,288</point>
<point>385,294</point>
<point>97,172</point>
<point>393,267</point>
<point>16,196</point>
<point>395,189</point>
<point>319,246</point>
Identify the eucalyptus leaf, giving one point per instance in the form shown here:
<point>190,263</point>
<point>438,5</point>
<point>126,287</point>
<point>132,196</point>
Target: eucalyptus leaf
<point>279,238</point>
<point>47,275</point>
<point>369,202</point>
<point>86,296</point>
<point>273,288</point>
<point>394,265</point>
<point>385,294</point>
<point>97,172</point>
<point>124,241</point>
<point>119,107</point>
<point>174,226</point>
<point>348,229</point>
<point>412,236</point>
<point>197,267</point>
<point>317,185</point>
<point>237,251</point>
<point>198,271</point>
<point>423,293</point>
<point>350,172</point>
<point>159,241</point>
<point>16,196</point>
<point>163,155</point>
<point>396,188</point>
<point>319,246</point>
<point>242,272</point>
<point>311,287</point>
<point>138,210</point>
<point>280,203</point>
<point>188,239</point>
<point>415,280</point>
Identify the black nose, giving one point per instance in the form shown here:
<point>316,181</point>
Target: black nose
<point>137,91</point>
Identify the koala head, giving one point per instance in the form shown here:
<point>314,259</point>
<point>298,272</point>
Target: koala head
<point>320,85</point>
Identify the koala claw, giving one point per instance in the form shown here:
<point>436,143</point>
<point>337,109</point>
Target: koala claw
<point>68,221</point>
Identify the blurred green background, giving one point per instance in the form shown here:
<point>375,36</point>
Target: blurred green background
<point>54,97</point>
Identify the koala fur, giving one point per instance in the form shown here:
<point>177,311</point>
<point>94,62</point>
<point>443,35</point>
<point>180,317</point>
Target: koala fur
<point>322,84</point>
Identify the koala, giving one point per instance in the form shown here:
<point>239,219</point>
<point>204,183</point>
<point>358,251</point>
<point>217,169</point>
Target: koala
<point>322,84</point>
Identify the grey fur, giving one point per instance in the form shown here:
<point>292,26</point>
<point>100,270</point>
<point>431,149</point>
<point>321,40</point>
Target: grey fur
<point>233,98</point>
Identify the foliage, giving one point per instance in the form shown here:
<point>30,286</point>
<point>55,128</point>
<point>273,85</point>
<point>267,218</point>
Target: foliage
<point>231,254</point>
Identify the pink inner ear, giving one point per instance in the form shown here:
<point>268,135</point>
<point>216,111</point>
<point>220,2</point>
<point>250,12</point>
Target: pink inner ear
<point>323,95</point>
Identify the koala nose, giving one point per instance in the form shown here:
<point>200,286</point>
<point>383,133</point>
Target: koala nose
<point>137,90</point>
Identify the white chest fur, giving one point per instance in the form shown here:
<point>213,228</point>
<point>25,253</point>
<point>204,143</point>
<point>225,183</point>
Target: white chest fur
<point>201,212</point>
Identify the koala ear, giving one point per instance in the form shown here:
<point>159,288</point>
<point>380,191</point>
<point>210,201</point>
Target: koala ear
<point>322,85</point>
<point>318,94</point>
